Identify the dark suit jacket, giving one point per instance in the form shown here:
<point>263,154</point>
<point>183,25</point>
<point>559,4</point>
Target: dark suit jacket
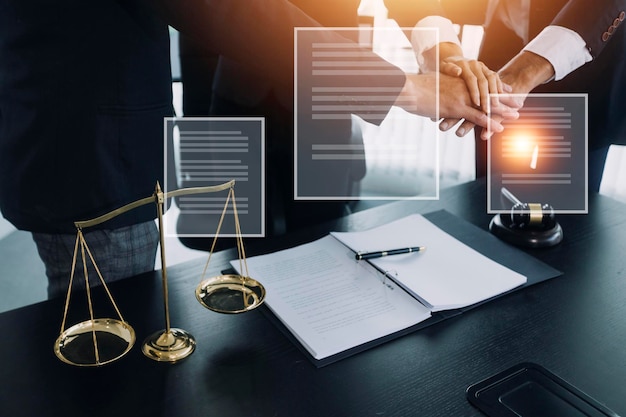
<point>84,87</point>
<point>603,79</point>
<point>83,92</point>
<point>238,81</point>
<point>239,90</point>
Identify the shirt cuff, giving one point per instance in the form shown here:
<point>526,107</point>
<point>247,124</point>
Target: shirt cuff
<point>562,47</point>
<point>424,36</point>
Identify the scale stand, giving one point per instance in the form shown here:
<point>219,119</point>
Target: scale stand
<point>96,341</point>
<point>171,344</point>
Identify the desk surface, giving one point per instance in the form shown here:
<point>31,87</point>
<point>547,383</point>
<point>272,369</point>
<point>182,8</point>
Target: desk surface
<point>574,325</point>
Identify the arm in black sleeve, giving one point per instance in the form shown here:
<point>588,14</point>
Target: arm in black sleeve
<point>258,33</point>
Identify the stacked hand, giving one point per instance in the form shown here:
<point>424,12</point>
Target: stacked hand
<point>419,96</point>
<point>507,88</point>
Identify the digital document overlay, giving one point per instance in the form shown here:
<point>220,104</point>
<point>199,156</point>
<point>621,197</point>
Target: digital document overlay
<point>209,151</point>
<point>337,85</point>
<point>542,156</point>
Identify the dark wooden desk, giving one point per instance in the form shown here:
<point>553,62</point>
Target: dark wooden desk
<point>575,325</point>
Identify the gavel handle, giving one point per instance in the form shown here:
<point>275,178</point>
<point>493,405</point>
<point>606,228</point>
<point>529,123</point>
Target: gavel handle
<point>509,196</point>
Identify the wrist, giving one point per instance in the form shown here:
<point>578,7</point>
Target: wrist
<point>419,95</point>
<point>440,53</point>
<point>526,71</point>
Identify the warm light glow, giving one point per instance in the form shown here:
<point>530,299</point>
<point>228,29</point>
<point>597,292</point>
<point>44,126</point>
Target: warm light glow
<point>523,147</point>
<point>522,144</point>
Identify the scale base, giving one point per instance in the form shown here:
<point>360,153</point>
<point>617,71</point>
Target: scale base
<point>169,346</point>
<point>504,228</point>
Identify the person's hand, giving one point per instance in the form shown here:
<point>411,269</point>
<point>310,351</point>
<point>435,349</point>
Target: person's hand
<point>505,101</point>
<point>483,84</point>
<point>522,73</point>
<point>526,71</point>
<point>419,96</point>
<point>479,79</point>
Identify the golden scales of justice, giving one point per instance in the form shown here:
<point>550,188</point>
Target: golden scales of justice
<point>98,341</point>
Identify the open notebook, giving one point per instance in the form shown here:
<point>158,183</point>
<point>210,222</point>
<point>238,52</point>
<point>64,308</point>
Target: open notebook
<point>332,303</point>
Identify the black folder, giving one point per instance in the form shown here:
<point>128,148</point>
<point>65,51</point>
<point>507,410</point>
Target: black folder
<point>480,240</point>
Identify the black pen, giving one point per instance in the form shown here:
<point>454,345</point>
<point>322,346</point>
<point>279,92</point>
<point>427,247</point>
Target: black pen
<point>380,254</point>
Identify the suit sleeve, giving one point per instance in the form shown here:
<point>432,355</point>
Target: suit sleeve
<point>595,21</point>
<point>256,33</point>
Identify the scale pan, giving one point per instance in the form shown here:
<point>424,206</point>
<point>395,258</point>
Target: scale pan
<point>230,293</point>
<point>79,346</point>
